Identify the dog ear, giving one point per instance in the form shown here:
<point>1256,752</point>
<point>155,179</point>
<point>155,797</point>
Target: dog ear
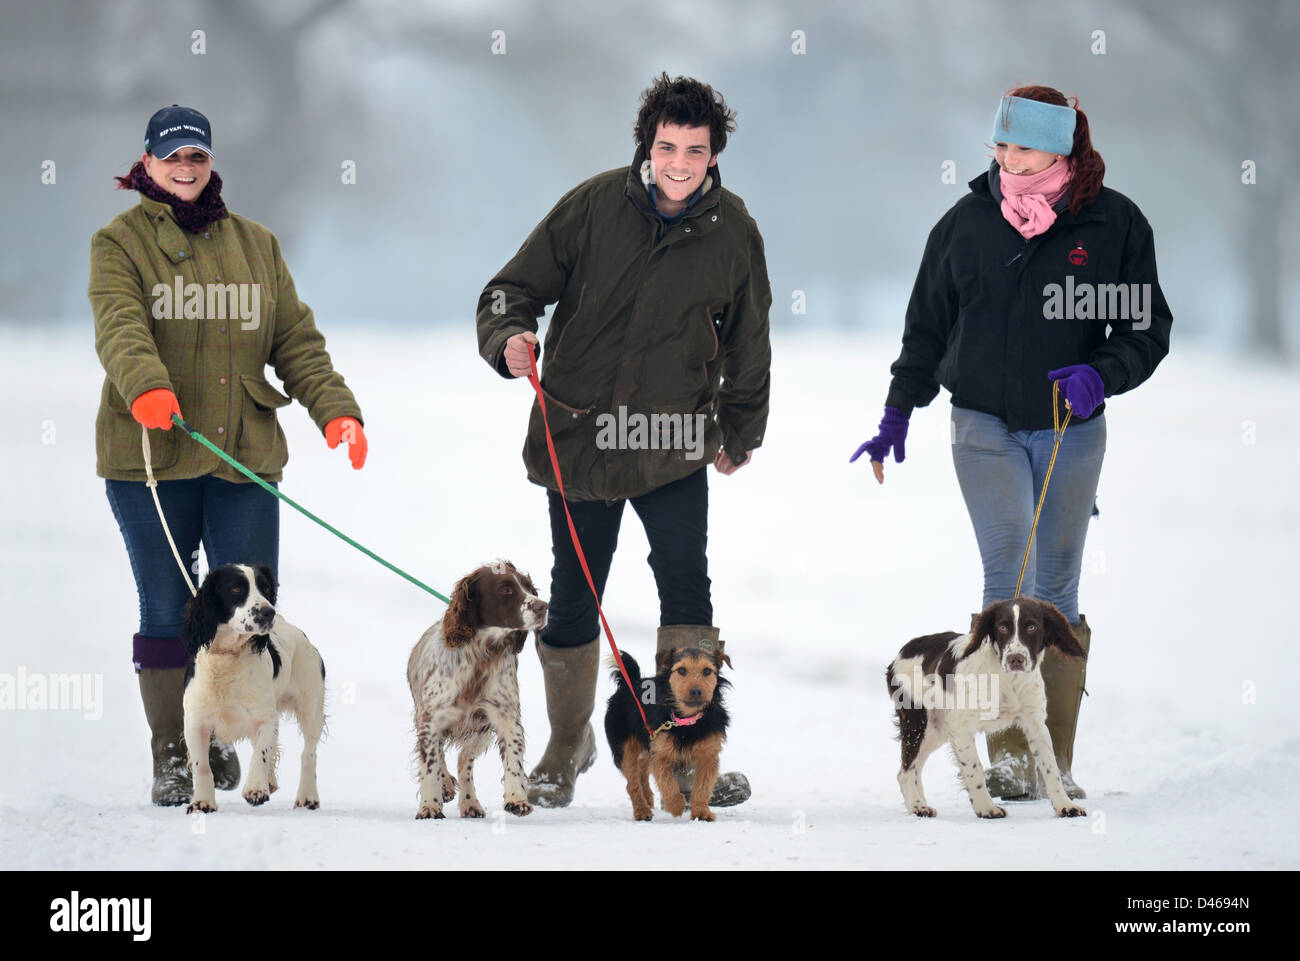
<point>202,617</point>
<point>265,578</point>
<point>664,659</point>
<point>982,625</point>
<point>719,659</point>
<point>461,620</point>
<point>1059,633</point>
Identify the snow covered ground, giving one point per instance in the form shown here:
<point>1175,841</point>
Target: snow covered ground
<point>1188,744</point>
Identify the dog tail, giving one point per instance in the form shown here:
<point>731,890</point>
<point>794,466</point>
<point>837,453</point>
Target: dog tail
<point>633,670</point>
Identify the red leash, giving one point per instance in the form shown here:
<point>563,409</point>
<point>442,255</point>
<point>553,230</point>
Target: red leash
<point>573,534</point>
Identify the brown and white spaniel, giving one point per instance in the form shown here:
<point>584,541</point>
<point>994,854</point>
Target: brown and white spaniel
<point>950,686</point>
<point>464,681</point>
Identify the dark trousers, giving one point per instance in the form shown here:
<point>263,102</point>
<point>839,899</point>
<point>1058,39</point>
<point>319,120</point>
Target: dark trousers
<point>676,521</point>
<point>237,524</point>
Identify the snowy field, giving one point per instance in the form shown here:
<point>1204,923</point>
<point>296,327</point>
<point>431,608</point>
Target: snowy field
<point>1188,745</point>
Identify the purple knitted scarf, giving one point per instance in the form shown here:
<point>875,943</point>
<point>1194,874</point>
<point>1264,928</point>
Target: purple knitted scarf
<point>196,215</point>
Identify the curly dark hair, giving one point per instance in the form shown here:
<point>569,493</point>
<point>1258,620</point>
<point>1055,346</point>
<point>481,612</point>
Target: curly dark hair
<point>1089,168</point>
<point>687,102</point>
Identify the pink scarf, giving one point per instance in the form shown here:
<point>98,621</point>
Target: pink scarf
<point>1027,199</point>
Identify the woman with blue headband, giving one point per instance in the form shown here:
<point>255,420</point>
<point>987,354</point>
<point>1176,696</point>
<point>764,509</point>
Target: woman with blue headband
<point>1038,275</point>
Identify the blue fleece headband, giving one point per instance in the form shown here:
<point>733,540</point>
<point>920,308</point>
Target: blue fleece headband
<point>1034,124</point>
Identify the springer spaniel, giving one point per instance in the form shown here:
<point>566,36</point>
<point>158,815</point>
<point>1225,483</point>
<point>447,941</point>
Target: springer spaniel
<point>949,686</point>
<point>247,665</point>
<point>464,681</point>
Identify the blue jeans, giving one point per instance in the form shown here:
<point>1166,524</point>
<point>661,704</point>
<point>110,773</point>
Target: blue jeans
<point>676,521</point>
<point>1001,476</point>
<point>237,524</point>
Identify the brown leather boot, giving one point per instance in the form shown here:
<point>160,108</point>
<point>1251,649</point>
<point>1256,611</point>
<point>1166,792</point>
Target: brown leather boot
<point>161,690</point>
<point>1063,680</point>
<point>731,787</point>
<point>570,676</point>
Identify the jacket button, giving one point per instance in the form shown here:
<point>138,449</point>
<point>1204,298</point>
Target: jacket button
<point>714,217</point>
<point>218,276</point>
<point>221,430</point>
<point>208,236</point>
<point>223,380</point>
<point>181,254</point>
<point>688,230</point>
<point>223,330</point>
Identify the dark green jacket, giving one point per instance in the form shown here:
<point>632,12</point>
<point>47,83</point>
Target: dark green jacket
<point>215,365</point>
<point>650,319</point>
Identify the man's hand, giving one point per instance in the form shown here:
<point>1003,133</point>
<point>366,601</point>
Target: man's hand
<point>723,463</point>
<point>517,353</point>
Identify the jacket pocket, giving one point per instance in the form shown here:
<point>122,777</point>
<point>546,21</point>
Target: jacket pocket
<point>262,446</point>
<point>561,416</point>
<point>117,435</point>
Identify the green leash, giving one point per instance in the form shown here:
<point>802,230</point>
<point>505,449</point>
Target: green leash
<point>176,419</point>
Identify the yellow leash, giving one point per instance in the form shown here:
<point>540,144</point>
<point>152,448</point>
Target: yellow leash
<point>1058,429</point>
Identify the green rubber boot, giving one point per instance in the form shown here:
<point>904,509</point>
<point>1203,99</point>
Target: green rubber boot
<point>1063,679</point>
<point>161,690</point>
<point>570,677</point>
<point>731,787</point>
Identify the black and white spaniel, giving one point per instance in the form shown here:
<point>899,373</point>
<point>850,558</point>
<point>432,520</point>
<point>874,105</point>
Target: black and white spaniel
<point>247,665</point>
<point>464,682</point>
<point>950,686</point>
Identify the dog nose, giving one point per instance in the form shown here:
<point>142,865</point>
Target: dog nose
<point>697,692</point>
<point>1015,662</point>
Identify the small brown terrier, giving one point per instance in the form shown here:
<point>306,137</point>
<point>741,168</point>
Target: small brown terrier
<point>683,703</point>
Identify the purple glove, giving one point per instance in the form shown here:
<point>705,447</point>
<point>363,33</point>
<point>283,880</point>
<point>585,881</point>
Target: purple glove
<point>1082,387</point>
<point>893,431</point>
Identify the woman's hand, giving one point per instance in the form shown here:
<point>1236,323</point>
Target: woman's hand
<point>893,434</point>
<point>1082,387</point>
<point>348,430</point>
<point>154,408</point>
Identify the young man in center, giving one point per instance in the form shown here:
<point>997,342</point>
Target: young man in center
<point>656,362</point>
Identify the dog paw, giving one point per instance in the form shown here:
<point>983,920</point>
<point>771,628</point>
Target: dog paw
<point>645,815</point>
<point>705,815</point>
<point>202,807</point>
<point>310,803</point>
<point>676,807</point>
<point>519,808</point>
<point>426,812</point>
<point>448,787</point>
<point>274,785</point>
<point>991,812</point>
<point>472,811</point>
<point>256,796</point>
<point>1070,811</point>
<point>924,811</point>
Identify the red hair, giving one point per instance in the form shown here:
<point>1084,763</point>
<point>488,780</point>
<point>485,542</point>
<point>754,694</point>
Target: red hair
<point>1089,168</point>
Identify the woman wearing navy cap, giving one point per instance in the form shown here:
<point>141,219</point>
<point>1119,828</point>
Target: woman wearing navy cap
<point>1017,287</point>
<point>191,304</point>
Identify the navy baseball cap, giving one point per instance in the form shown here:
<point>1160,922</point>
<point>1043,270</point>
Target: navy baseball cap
<point>174,127</point>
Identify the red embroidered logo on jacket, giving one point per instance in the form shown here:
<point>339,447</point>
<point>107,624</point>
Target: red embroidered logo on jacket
<point>1078,256</point>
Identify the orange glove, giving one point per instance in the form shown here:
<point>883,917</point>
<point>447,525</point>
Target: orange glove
<point>154,408</point>
<point>348,429</point>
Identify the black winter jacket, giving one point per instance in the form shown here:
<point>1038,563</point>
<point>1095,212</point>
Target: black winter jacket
<point>991,313</point>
